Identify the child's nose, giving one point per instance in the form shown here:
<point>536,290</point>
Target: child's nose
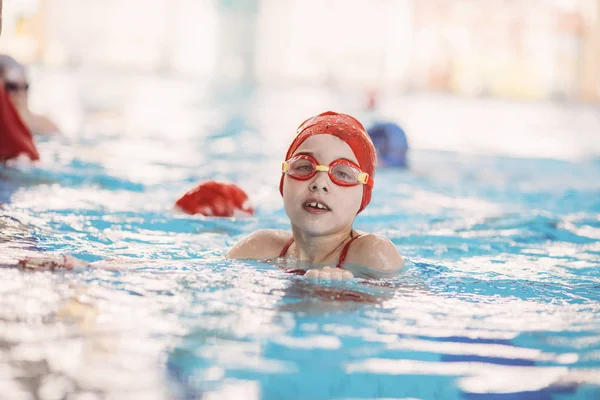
<point>320,182</point>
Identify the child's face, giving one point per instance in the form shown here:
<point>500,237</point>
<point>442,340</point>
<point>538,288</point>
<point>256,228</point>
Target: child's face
<point>342,202</point>
<point>16,80</point>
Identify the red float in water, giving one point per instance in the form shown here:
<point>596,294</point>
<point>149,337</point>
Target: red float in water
<point>216,199</point>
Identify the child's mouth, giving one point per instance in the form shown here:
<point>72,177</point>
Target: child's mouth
<point>315,207</point>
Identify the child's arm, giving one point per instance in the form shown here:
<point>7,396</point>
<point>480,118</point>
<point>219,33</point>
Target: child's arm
<point>51,262</point>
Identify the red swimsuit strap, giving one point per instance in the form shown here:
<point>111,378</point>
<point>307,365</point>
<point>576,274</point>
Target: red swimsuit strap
<point>286,247</point>
<point>282,254</point>
<point>345,250</point>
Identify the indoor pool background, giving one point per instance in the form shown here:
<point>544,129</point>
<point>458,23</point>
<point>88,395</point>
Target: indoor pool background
<point>498,219</point>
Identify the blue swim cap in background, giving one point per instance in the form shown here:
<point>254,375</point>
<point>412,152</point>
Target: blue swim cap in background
<point>391,144</point>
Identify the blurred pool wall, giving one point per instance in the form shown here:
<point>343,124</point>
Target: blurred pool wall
<point>530,49</point>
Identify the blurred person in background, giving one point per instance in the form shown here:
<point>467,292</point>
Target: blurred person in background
<point>388,137</point>
<point>17,86</point>
<point>15,137</point>
<point>216,199</point>
<point>391,144</point>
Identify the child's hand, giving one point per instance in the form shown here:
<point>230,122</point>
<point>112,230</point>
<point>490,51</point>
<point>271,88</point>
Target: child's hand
<point>52,263</point>
<point>329,274</point>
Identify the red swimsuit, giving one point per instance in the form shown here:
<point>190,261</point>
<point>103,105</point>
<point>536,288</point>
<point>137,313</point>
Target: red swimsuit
<point>340,261</point>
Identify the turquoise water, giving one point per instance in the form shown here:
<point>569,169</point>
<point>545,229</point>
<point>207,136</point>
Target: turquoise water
<point>499,299</point>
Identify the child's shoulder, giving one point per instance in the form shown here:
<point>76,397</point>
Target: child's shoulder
<point>274,236</point>
<point>372,241</point>
<point>375,251</point>
<point>262,244</point>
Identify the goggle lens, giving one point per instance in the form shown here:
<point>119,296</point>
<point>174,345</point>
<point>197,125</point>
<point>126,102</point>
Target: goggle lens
<point>302,168</point>
<point>344,173</point>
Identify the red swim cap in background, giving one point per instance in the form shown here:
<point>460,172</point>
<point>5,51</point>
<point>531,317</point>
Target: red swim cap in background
<point>349,130</point>
<point>215,199</point>
<point>15,137</point>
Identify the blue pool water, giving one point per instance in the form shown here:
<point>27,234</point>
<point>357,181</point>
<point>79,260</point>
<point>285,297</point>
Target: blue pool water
<point>499,299</point>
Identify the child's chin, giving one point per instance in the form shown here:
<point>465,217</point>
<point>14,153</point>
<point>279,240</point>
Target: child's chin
<point>319,228</point>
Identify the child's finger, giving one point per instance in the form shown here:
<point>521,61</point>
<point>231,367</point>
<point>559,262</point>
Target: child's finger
<point>312,274</point>
<point>337,275</point>
<point>347,274</point>
<point>325,274</point>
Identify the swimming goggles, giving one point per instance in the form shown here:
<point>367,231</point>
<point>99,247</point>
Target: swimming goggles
<point>341,172</point>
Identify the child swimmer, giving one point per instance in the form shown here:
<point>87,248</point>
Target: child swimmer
<point>327,179</point>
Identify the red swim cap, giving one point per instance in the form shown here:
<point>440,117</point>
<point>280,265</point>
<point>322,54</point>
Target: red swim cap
<point>215,199</point>
<point>348,129</point>
<point>15,137</point>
